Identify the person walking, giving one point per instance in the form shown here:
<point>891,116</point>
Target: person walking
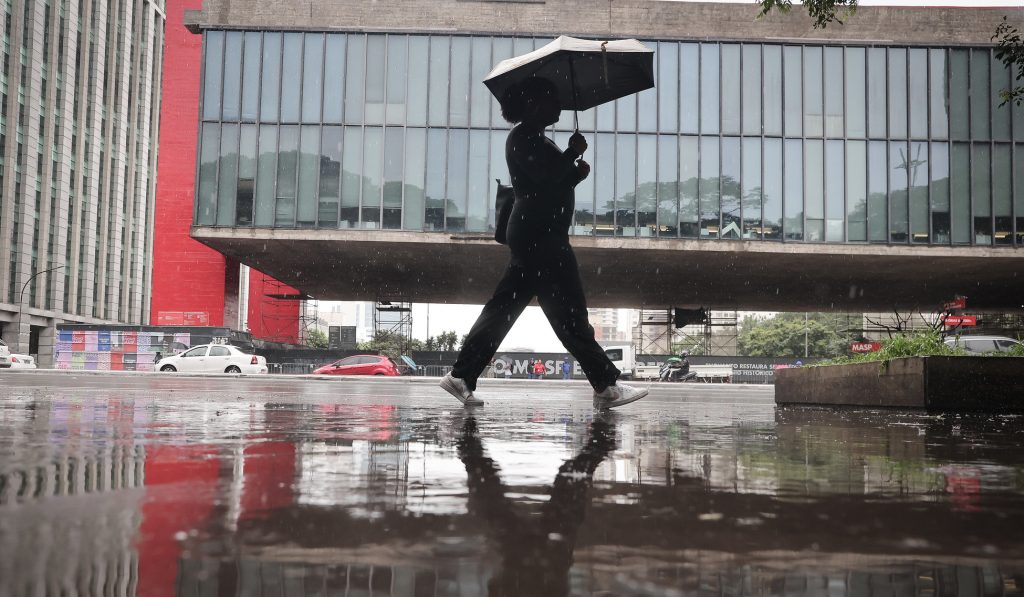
<point>542,262</point>
<point>539,369</point>
<point>566,368</point>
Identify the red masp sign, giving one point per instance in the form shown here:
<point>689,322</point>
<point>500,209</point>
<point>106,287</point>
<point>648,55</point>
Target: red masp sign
<point>962,320</point>
<point>957,304</point>
<point>865,346</point>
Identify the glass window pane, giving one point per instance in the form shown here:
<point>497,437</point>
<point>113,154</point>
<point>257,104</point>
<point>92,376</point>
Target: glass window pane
<point>937,94</point>
<point>917,87</point>
<point>898,205</point>
<point>291,70</point>
<point>309,177</point>
<point>478,200</point>
<point>206,196</point>
<point>584,216</point>
<point>939,183</point>
<point>605,117</point>
<point>835,208</point>
<point>897,93</point>
<point>876,93</point>
<point>1000,114</point>
<point>625,114</point>
<point>917,165</point>
<point>604,179</point>
<point>312,77</point>
<point>793,103</point>
<point>772,90</point>
<point>1018,107</point>
<point>981,102</point>
<point>771,196</point>
<point>376,55</point>
<point>647,110</point>
<point>458,157</point>
<point>373,159</point>
<point>414,177</point>
<point>459,90</point>
<point>689,183</point>
<point>480,110</point>
<point>689,88</point>
<point>856,96</point>
<point>251,76</point>
<point>856,191</point>
<point>271,79</point>
<point>330,177</point>
<point>752,91</point>
<point>731,89</point>
<point>709,82</point>
<point>981,192</point>
<point>668,87</point>
<point>438,81</point>
<point>878,188</point>
<point>246,175</point>
<point>1018,192</point>
<point>416,86</point>
<point>287,171</point>
<point>813,102</point>
<point>437,148</point>
<point>1002,193</point>
<point>232,75</point>
<point>834,92</point>
<point>351,176</point>
<point>709,190</point>
<point>625,185</point>
<point>398,50</point>
<point>732,212</point>
<point>646,185</point>
<point>355,80</point>
<point>266,177</point>
<point>394,164</point>
<point>793,191</point>
<point>960,195</point>
<point>751,189</point>
<point>334,77</point>
<point>959,117</point>
<point>814,190</point>
<point>227,185</point>
<point>668,186</point>
<point>213,75</point>
<point>501,49</point>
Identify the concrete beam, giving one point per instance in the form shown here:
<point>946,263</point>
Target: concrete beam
<point>634,272</point>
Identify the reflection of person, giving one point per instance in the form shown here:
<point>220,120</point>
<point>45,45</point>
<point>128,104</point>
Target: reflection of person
<point>536,551</point>
<point>543,264</point>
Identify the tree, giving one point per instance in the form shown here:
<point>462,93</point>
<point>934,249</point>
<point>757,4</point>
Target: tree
<point>390,343</point>
<point>1010,44</point>
<point>784,335</point>
<point>447,341</point>
<point>316,339</point>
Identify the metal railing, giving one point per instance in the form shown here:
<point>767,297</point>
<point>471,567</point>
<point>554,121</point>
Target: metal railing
<point>290,368</point>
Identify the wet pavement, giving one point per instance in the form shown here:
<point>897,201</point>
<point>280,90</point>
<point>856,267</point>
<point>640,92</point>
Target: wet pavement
<point>160,485</point>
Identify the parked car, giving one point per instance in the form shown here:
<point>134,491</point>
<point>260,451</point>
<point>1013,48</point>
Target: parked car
<point>5,356</point>
<point>979,344</point>
<point>361,364</point>
<point>213,358</point>
<point>22,361</point>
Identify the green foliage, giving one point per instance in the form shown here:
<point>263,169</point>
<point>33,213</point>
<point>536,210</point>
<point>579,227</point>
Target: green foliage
<point>784,335</point>
<point>390,343</point>
<point>918,344</point>
<point>1010,49</point>
<point>822,11</point>
<point>316,339</point>
<point>447,341</point>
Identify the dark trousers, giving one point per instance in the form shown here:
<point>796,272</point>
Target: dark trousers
<point>552,275</point>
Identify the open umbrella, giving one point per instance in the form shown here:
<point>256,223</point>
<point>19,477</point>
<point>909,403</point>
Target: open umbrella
<point>586,72</point>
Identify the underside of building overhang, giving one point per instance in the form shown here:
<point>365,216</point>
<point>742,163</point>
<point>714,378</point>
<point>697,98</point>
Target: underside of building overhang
<point>371,265</point>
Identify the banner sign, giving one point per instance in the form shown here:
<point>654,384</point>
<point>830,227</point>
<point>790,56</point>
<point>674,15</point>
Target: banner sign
<point>962,320</point>
<point>957,304</point>
<point>865,346</point>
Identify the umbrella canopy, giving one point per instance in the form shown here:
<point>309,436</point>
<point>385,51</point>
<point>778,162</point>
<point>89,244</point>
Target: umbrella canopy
<point>587,72</point>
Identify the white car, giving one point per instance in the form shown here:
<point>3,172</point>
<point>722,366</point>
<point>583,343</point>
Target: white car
<point>213,358</point>
<point>982,344</point>
<point>5,356</point>
<point>22,361</point>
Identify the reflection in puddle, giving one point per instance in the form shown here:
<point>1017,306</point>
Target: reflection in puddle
<point>131,495</point>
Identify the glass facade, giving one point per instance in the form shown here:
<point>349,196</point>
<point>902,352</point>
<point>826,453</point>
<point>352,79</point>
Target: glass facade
<point>755,141</point>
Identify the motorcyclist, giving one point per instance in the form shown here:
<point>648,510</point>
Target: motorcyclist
<point>676,368</point>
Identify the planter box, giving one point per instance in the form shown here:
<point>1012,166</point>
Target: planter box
<point>992,384</point>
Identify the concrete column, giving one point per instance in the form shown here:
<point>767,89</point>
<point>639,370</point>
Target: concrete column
<point>47,344</point>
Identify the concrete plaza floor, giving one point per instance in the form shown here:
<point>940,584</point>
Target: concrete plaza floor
<point>150,484</point>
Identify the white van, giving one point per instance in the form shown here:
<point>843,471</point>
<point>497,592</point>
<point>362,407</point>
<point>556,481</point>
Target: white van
<point>621,355</point>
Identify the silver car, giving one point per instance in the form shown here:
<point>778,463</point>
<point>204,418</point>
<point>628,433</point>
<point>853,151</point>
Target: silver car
<point>980,344</point>
<point>5,356</point>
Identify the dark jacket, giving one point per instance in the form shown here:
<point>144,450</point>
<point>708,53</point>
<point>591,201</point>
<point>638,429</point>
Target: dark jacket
<point>543,178</point>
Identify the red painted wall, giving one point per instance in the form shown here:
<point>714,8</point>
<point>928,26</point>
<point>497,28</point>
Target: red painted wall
<point>191,282</point>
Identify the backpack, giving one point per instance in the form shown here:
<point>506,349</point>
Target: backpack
<point>503,201</point>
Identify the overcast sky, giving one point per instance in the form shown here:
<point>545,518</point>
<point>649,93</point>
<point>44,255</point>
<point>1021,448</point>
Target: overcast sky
<point>976,3</point>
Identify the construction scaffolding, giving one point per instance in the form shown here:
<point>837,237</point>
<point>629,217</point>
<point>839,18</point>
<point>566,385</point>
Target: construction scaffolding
<point>395,319</point>
<point>716,334</point>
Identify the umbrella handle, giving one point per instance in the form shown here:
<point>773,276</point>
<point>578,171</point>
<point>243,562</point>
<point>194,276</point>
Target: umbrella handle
<point>575,101</point>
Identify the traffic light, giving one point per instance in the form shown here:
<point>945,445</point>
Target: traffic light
<point>685,317</point>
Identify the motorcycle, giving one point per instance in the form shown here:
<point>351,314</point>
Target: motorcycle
<point>674,370</point>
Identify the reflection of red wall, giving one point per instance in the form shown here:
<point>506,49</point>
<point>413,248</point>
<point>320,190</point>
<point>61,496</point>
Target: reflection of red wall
<point>168,510</point>
<point>269,475</point>
<point>270,318</point>
<point>189,277</point>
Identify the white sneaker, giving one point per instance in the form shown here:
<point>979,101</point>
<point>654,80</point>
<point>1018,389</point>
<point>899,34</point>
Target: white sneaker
<point>618,395</point>
<point>458,388</point>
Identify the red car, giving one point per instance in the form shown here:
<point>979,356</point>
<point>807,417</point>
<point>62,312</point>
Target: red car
<point>361,364</point>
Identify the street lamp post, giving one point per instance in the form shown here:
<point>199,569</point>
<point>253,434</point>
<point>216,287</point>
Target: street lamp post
<point>21,303</point>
